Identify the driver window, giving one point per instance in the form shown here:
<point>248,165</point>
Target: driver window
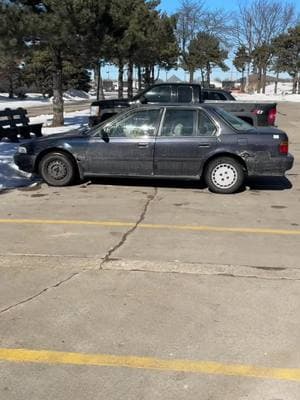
<point>138,124</point>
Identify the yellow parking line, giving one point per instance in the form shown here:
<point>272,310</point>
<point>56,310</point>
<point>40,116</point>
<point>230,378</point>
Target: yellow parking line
<point>196,228</point>
<point>105,360</point>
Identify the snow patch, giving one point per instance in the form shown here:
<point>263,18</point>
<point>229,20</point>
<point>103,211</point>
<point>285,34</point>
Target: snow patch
<point>37,100</point>
<point>284,93</point>
<point>10,175</point>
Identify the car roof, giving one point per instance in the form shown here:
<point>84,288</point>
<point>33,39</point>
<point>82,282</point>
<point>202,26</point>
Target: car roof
<point>192,106</point>
<point>174,84</point>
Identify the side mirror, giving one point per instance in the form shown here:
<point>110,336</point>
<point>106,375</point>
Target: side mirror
<point>104,136</point>
<point>143,100</point>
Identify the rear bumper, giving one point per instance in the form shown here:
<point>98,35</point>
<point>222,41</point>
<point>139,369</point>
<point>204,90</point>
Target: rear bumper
<point>25,162</point>
<point>271,166</point>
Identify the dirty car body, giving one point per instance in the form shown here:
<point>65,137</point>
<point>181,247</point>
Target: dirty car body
<point>159,141</point>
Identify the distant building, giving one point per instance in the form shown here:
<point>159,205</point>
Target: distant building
<point>174,79</point>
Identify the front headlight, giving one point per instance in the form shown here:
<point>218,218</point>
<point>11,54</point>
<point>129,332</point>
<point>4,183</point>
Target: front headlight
<point>94,111</point>
<point>22,150</point>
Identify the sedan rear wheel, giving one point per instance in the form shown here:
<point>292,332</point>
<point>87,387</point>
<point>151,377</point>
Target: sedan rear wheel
<point>57,169</point>
<point>224,175</point>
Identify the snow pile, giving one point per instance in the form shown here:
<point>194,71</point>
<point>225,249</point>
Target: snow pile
<point>283,88</point>
<point>76,95</point>
<point>32,100</point>
<point>37,100</point>
<point>73,121</point>
<point>284,93</point>
<point>10,175</point>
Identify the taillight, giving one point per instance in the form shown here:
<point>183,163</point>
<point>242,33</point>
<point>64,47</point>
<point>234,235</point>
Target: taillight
<point>272,116</point>
<point>284,147</point>
<point>95,111</point>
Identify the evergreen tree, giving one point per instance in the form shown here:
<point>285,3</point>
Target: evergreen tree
<point>287,53</point>
<point>205,53</point>
<point>60,28</point>
<point>261,57</point>
<point>12,46</point>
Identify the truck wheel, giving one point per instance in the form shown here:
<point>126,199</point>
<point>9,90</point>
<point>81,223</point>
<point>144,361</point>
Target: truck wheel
<point>224,175</point>
<point>57,169</point>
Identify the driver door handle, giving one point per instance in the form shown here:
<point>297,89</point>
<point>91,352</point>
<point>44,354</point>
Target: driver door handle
<point>143,144</point>
<point>204,145</point>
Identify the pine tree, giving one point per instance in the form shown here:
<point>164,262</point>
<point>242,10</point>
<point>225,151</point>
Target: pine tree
<point>12,46</point>
<point>287,53</point>
<point>240,62</point>
<point>60,28</point>
<point>205,53</point>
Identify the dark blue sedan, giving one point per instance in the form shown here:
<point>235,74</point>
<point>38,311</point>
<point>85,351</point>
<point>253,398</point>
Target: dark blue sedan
<point>173,141</point>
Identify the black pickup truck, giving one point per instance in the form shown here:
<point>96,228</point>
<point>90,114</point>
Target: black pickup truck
<point>256,114</point>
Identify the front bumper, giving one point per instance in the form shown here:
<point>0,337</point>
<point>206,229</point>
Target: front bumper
<point>25,162</point>
<point>269,166</point>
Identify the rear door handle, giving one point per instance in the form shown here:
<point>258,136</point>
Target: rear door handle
<point>143,144</point>
<point>204,145</point>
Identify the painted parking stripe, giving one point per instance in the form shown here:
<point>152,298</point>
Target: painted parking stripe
<point>147,363</point>
<point>124,224</point>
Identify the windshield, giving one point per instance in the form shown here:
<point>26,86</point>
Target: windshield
<point>233,121</point>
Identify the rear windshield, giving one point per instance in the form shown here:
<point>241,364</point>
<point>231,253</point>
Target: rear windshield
<point>234,121</point>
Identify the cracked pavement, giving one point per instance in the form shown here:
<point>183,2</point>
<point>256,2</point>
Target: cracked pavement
<point>167,293</point>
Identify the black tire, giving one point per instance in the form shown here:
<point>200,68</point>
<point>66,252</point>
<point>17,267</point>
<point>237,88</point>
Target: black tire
<point>57,169</point>
<point>224,175</point>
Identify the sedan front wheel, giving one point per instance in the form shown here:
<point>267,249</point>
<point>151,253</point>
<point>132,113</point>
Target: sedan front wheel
<point>224,175</point>
<point>57,169</point>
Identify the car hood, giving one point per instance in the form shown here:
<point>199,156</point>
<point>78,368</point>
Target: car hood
<point>74,134</point>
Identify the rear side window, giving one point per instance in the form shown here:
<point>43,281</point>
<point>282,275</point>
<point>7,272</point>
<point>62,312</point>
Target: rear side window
<point>233,121</point>
<point>185,94</point>
<point>216,96</point>
<point>179,123</point>
<point>206,127</point>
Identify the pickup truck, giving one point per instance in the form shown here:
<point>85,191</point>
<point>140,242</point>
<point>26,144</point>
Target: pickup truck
<point>256,114</point>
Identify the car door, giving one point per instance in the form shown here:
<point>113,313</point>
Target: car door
<point>125,146</point>
<point>186,136</point>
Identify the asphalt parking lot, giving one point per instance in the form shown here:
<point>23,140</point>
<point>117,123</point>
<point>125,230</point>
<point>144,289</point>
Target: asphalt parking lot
<point>152,290</point>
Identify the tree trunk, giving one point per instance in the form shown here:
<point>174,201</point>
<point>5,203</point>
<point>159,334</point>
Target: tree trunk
<point>191,72</point>
<point>11,87</point>
<point>298,82</point>
<point>264,80</point>
<point>99,80</point>
<point>139,78</point>
<point>147,76</point>
<point>58,101</point>
<point>248,78</point>
<point>152,75</point>
<point>243,81</point>
<point>276,82</point>
<point>120,79</point>
<point>295,82</point>
<point>259,76</point>
<point>202,77</point>
<point>130,80</point>
<point>208,72</point>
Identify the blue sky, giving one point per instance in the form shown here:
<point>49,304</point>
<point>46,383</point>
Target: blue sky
<point>170,6</point>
